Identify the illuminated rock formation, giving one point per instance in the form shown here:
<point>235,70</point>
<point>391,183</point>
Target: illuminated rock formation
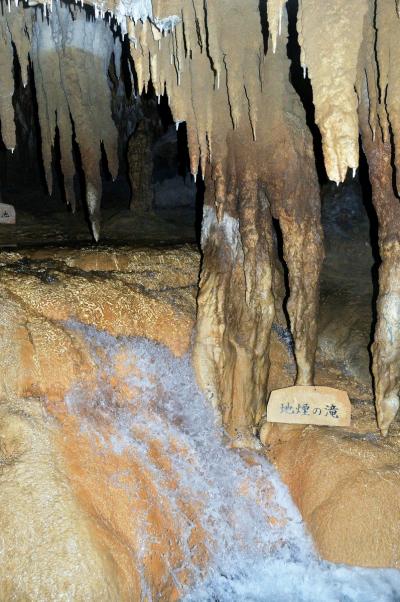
<point>247,137</point>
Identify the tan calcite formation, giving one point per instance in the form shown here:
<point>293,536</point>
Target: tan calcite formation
<point>388,55</point>
<point>330,36</point>
<point>209,60</point>
<point>346,485</point>
<point>212,79</point>
<point>81,517</point>
<point>27,368</point>
<point>48,543</point>
<point>135,519</point>
<point>386,346</point>
<point>275,10</point>
<point>132,293</point>
<point>76,98</point>
<point>70,56</point>
<point>68,525</point>
<point>377,115</point>
<point>240,135</point>
<point>236,301</point>
<point>7,87</point>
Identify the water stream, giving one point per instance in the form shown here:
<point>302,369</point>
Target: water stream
<point>257,545</point>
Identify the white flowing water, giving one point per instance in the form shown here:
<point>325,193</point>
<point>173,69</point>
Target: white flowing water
<point>253,558</point>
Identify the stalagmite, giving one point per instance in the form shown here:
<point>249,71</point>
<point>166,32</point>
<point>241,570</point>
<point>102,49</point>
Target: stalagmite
<point>236,303</point>
<point>386,347</point>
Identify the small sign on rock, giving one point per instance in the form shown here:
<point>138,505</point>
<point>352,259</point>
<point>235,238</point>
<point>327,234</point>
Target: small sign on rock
<point>309,405</point>
<point>7,214</point>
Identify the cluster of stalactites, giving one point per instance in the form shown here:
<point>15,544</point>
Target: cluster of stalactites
<point>70,55</point>
<point>14,29</point>
<point>208,58</point>
<point>340,41</point>
<point>209,66</point>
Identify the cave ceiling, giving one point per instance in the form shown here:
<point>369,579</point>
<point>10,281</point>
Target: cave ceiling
<point>210,59</point>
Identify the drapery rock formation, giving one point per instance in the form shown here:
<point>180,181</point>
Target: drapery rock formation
<point>248,138</point>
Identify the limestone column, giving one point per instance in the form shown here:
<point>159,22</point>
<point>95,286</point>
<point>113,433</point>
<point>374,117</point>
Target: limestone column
<point>386,345</point>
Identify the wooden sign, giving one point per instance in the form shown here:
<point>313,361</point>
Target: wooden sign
<point>7,214</point>
<point>309,405</point>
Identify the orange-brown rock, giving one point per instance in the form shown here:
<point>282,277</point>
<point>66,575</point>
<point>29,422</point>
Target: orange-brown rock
<point>48,543</point>
<point>70,521</point>
<point>346,484</point>
<point>132,293</point>
<point>82,511</point>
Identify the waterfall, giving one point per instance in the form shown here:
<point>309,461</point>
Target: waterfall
<point>254,545</point>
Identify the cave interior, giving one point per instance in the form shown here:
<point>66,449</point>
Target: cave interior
<point>154,175</point>
<point>206,199</point>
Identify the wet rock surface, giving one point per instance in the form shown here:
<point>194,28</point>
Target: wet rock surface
<point>346,484</point>
<point>124,292</point>
<point>344,481</point>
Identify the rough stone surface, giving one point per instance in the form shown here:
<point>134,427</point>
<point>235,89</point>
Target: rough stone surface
<point>42,360</point>
<point>63,522</point>
<point>132,293</point>
<point>346,484</point>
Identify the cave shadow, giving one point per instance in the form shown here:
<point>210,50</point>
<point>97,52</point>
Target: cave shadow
<point>278,239</point>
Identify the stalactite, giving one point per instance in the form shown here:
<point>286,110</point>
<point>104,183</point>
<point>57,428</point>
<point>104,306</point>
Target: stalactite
<point>76,91</point>
<point>331,60</point>
<point>6,87</point>
<point>241,116</point>
<point>292,186</point>
<point>388,54</point>
<point>275,175</point>
<point>70,57</point>
<point>275,11</point>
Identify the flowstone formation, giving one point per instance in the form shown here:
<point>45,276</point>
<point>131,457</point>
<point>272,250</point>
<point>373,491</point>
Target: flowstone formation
<point>226,73</point>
